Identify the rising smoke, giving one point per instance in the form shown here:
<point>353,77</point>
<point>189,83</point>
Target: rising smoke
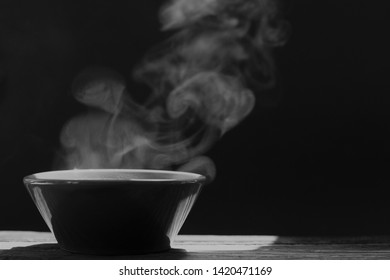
<point>202,84</point>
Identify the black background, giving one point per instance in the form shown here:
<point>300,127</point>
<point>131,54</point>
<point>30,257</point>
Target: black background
<point>313,160</point>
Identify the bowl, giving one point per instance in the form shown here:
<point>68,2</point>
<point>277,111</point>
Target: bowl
<point>114,211</point>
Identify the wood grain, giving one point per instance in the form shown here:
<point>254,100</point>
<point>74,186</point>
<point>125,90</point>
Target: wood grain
<point>42,245</point>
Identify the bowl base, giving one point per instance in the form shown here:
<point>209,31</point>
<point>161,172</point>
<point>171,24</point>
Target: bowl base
<point>98,252</point>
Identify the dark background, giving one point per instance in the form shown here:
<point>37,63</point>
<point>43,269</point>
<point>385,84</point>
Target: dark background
<point>314,162</point>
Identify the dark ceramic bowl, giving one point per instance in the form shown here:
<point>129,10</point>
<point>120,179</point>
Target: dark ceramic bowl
<point>107,211</point>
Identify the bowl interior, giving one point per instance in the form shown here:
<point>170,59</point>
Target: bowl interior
<point>116,175</point>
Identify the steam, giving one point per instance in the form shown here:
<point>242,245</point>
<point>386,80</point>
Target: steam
<point>201,81</point>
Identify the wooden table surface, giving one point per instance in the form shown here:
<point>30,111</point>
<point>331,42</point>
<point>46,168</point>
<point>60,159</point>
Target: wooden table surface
<point>42,245</point>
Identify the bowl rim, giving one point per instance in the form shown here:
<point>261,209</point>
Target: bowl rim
<point>38,178</point>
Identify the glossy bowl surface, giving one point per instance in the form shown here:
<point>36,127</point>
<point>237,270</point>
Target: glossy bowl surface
<point>114,211</point>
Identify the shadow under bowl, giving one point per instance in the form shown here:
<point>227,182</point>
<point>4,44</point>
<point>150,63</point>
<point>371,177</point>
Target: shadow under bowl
<point>114,211</point>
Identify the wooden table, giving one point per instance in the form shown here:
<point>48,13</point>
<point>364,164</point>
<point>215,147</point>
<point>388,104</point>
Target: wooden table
<point>42,245</point>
